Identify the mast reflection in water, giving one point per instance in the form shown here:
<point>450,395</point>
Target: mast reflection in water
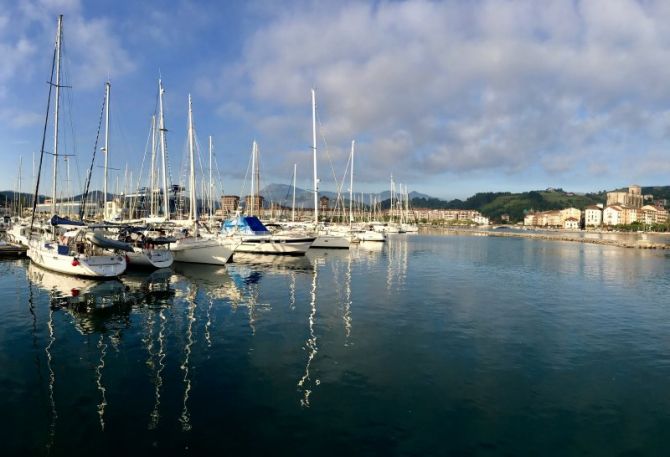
<point>423,345</point>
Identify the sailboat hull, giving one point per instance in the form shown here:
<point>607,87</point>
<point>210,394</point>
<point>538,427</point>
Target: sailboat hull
<point>274,245</point>
<point>331,242</point>
<point>99,266</point>
<point>371,236</point>
<point>202,250</point>
<point>150,258</point>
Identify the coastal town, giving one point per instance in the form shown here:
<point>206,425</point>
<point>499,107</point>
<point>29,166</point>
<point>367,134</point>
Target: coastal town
<point>621,209</point>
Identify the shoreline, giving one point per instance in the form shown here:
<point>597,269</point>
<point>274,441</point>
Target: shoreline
<point>637,244</point>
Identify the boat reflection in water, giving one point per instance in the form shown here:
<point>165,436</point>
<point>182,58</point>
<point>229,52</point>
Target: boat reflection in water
<point>102,308</point>
<point>150,290</point>
<point>81,294</point>
<point>371,246</point>
<point>308,382</point>
<point>159,332</point>
<point>85,300</point>
<point>272,262</point>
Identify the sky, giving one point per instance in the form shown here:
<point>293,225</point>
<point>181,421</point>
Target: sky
<point>449,97</point>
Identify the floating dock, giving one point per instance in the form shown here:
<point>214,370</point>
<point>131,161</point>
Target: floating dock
<point>12,250</point>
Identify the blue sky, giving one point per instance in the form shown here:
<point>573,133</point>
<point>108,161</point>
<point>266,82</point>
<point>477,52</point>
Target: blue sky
<point>451,97</point>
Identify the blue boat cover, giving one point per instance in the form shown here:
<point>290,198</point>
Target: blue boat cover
<point>56,220</point>
<point>247,225</point>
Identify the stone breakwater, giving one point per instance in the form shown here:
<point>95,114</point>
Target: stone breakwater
<point>631,244</point>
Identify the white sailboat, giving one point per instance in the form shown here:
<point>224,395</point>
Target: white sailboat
<point>325,238</point>
<point>192,247</point>
<point>145,253</point>
<point>407,226</point>
<point>74,252</point>
<point>253,236</point>
<point>150,247</point>
<point>364,233</point>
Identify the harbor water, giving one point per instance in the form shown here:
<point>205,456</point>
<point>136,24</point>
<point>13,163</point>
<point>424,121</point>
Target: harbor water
<point>423,345</point>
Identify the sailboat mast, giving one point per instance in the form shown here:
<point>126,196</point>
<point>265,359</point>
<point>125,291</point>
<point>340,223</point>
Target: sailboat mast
<point>250,210</point>
<point>108,88</point>
<point>59,36</point>
<point>293,207</point>
<point>32,174</point>
<point>191,152</point>
<point>18,205</point>
<point>316,178</point>
<point>67,188</point>
<point>257,189</point>
<point>391,206</point>
<point>211,190</point>
<point>351,186</point>
<point>166,196</point>
<point>152,184</point>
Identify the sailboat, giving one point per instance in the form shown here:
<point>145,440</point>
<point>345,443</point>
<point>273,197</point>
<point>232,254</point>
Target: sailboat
<point>325,238</point>
<point>76,251</point>
<point>407,226</point>
<point>150,248</point>
<point>253,236</point>
<point>366,233</point>
<point>191,246</point>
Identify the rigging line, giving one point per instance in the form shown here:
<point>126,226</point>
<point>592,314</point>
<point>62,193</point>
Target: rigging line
<point>340,186</point>
<point>288,190</point>
<point>165,147</point>
<point>84,198</point>
<point>198,149</point>
<point>44,137</point>
<point>68,99</point>
<point>183,178</point>
<point>139,178</point>
<point>218,173</point>
<point>244,184</point>
<point>119,128</point>
<point>258,176</point>
<point>146,150</point>
<point>325,142</point>
<point>330,161</point>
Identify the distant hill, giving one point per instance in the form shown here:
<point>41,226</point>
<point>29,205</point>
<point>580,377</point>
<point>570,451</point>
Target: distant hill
<point>491,204</point>
<point>516,205</point>
<point>9,195</point>
<point>659,192</point>
<point>283,194</point>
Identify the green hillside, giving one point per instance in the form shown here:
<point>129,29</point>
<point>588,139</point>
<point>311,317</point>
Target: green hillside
<point>516,205</point>
<point>659,192</point>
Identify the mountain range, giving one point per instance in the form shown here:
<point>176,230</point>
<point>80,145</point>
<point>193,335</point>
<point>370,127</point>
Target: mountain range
<point>283,194</point>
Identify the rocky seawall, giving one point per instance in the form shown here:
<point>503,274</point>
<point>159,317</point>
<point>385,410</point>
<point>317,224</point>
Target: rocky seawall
<point>631,244</point>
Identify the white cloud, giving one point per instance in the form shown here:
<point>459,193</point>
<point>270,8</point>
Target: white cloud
<point>92,48</point>
<point>97,52</point>
<point>490,85</point>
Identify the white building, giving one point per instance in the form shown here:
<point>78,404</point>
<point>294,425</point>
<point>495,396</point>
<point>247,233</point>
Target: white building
<point>571,223</point>
<point>613,215</point>
<point>593,216</point>
<point>574,213</point>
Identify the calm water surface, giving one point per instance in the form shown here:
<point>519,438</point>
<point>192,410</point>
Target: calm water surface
<point>429,345</point>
